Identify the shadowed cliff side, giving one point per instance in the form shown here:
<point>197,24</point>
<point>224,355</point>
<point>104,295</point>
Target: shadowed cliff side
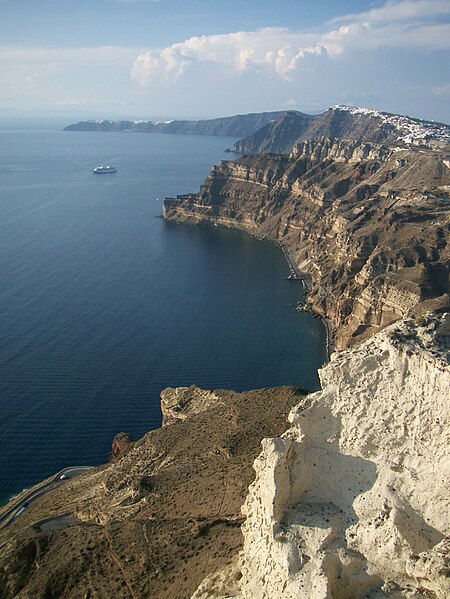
<point>369,224</point>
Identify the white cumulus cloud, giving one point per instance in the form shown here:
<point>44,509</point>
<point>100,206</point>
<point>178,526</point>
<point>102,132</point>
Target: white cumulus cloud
<point>276,49</point>
<point>405,24</point>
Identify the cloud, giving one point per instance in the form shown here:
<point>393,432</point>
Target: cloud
<point>403,10</point>
<point>290,103</point>
<point>38,75</point>
<point>19,64</point>
<point>275,49</point>
<point>441,90</point>
<point>35,56</point>
<point>405,24</point>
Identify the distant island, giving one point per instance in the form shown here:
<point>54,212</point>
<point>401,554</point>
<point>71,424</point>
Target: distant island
<point>240,125</point>
<point>279,131</point>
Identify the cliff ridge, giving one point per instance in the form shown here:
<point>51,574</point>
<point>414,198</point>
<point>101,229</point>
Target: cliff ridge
<point>352,501</point>
<point>362,124</point>
<point>368,223</point>
<point>239,125</point>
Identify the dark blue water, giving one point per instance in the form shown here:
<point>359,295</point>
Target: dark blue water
<point>103,304</point>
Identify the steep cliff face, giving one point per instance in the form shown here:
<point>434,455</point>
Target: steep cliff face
<point>346,122</point>
<point>280,131</point>
<point>233,126</point>
<point>367,222</point>
<point>352,501</point>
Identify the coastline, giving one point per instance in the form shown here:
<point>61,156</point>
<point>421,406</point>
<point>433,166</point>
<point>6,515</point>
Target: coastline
<point>330,348</point>
<point>187,481</point>
<point>303,277</point>
<point>300,276</point>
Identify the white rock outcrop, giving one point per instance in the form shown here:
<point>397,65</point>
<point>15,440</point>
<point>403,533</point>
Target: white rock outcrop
<point>353,500</point>
<point>179,403</point>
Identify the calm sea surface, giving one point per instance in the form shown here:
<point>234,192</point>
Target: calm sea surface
<point>103,304</point>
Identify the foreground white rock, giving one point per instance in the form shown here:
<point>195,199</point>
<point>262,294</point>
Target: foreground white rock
<point>353,500</point>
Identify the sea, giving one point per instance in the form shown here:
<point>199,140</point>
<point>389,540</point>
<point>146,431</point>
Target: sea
<point>103,304</point>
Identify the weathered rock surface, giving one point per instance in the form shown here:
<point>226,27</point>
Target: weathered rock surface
<point>160,518</point>
<point>121,445</point>
<point>353,500</point>
<point>179,403</point>
<point>368,222</point>
<point>363,124</point>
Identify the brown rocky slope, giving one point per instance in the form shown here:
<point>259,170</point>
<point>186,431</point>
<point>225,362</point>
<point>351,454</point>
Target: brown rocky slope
<point>368,223</point>
<point>281,134</point>
<point>157,520</point>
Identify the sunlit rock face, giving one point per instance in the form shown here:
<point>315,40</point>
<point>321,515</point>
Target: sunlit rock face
<point>367,222</point>
<point>352,501</point>
<point>283,133</point>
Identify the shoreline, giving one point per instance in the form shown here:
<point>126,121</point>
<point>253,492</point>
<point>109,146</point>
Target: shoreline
<point>330,348</point>
<point>302,277</point>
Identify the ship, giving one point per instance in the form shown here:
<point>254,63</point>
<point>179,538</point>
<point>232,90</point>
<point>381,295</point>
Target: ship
<point>101,170</point>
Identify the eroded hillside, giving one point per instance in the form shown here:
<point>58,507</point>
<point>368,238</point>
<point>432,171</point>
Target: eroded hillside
<point>368,223</point>
<point>159,518</point>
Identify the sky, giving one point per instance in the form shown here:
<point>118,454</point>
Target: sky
<point>211,58</point>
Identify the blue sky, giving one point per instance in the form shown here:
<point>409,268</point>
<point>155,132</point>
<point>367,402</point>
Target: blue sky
<point>206,58</point>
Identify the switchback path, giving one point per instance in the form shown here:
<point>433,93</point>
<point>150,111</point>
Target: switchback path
<point>21,504</point>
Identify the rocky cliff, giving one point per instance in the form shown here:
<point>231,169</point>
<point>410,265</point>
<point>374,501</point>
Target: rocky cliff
<point>158,519</point>
<point>353,500</point>
<point>279,132</point>
<point>364,124</point>
<point>234,126</point>
<point>369,224</point>
<point>350,502</point>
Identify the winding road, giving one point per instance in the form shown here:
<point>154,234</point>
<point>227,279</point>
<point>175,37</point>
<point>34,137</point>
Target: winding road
<point>10,515</point>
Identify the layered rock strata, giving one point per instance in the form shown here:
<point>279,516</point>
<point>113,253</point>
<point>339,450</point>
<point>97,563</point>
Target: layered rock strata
<point>368,223</point>
<point>281,134</point>
<point>353,500</point>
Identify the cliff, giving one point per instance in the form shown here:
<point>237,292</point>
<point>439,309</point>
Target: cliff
<point>234,126</point>
<point>367,222</point>
<point>282,134</point>
<point>279,131</point>
<point>352,501</point>
<point>158,519</point>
